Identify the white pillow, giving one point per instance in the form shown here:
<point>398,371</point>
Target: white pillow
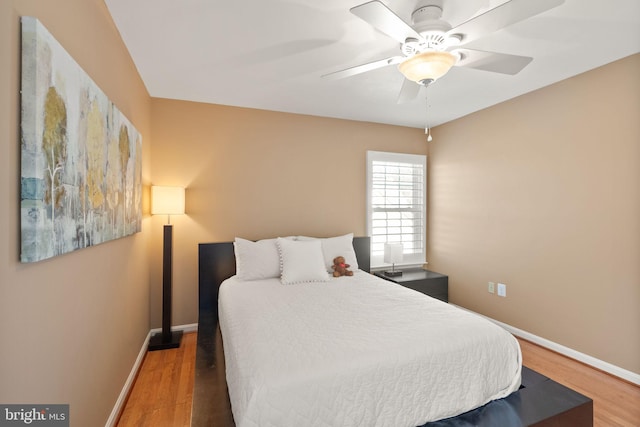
<point>337,246</point>
<point>301,261</point>
<point>256,260</point>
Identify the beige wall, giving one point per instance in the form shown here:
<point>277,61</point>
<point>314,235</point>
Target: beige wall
<point>257,174</point>
<point>543,193</point>
<point>70,327</point>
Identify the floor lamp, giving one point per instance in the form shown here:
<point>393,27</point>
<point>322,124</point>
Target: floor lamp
<point>166,201</point>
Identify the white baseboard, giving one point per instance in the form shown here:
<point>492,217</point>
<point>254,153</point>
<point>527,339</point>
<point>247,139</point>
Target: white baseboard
<point>122,398</point>
<point>607,367</point>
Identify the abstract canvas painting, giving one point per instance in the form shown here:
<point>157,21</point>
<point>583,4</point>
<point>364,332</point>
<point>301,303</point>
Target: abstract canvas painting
<point>81,177</point>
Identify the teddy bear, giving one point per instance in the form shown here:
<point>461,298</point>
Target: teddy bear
<point>340,267</point>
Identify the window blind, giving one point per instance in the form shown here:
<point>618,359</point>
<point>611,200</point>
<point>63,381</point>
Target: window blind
<point>396,199</point>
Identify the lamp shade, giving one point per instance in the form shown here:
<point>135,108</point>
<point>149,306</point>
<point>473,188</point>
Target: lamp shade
<point>427,66</point>
<point>167,200</point>
<point>393,253</point>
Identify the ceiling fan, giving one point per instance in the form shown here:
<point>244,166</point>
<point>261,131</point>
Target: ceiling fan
<point>430,46</point>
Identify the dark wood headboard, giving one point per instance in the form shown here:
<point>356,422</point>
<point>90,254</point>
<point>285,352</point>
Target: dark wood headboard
<point>217,262</point>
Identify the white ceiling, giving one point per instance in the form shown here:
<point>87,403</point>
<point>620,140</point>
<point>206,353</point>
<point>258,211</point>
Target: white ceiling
<point>270,54</point>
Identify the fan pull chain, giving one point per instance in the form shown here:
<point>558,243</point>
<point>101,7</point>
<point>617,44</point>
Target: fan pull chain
<point>427,129</point>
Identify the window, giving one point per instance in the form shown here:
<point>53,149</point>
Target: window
<point>396,205</point>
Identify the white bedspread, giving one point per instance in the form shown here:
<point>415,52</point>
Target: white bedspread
<point>357,351</point>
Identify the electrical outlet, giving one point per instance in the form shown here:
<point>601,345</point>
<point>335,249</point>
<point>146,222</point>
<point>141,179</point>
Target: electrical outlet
<point>502,290</point>
<point>491,287</point>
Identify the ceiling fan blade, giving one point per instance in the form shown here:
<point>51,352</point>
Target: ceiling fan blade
<point>408,92</point>
<point>385,20</point>
<point>492,61</point>
<point>502,16</point>
<point>363,68</point>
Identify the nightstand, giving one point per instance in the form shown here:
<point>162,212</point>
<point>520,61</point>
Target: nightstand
<point>428,282</point>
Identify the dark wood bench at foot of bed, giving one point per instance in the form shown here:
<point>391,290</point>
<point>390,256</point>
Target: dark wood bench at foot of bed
<point>540,402</point>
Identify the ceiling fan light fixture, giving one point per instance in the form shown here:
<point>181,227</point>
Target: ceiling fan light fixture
<point>427,66</point>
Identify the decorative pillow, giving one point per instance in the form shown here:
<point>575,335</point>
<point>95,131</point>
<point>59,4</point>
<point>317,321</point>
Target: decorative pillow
<point>301,261</point>
<point>256,260</point>
<point>336,246</point>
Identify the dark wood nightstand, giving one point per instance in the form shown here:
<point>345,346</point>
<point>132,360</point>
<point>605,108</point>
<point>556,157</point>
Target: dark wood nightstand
<point>428,282</point>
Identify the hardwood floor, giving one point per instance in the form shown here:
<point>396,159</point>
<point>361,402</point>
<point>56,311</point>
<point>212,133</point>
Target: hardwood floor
<point>163,390</point>
<point>616,403</point>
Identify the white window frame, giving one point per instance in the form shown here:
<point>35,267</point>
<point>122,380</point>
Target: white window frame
<point>411,258</point>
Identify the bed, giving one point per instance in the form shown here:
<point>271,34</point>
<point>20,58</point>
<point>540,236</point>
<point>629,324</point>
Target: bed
<point>301,354</point>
